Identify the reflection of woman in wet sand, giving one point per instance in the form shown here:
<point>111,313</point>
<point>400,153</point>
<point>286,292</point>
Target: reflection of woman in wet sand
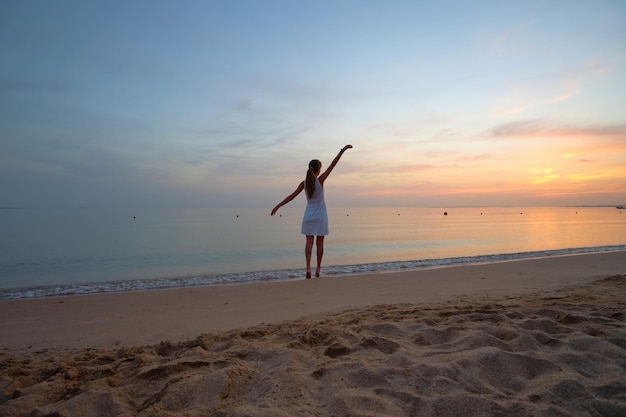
<point>315,220</point>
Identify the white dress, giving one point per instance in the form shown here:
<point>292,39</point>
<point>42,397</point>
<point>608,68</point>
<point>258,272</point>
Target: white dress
<point>315,220</point>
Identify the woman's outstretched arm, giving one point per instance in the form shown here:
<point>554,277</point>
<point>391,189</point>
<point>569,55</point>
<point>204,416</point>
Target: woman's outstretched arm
<point>326,173</point>
<point>289,198</point>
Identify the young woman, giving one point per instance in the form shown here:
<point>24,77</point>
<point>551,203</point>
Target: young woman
<point>315,220</point>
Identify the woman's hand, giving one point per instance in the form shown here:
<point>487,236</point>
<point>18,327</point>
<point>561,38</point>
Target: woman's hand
<point>346,147</point>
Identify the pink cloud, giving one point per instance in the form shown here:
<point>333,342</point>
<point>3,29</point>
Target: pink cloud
<point>541,127</point>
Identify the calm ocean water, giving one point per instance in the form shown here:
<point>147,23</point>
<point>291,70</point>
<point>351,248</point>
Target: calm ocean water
<point>74,251</point>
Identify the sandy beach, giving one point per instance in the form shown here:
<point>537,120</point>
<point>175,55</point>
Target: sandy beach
<point>542,337</point>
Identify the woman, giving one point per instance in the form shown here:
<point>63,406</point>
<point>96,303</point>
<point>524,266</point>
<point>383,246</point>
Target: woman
<point>315,220</point>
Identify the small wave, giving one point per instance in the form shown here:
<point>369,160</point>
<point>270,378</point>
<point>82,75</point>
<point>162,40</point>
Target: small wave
<point>283,274</point>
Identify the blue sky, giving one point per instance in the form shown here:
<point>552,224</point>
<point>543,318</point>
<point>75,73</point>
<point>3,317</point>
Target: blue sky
<point>207,103</point>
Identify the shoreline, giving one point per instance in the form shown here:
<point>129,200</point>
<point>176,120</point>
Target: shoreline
<point>115,320</point>
<point>281,275</point>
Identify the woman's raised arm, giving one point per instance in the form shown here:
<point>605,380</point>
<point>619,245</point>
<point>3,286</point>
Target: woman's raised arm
<point>328,170</point>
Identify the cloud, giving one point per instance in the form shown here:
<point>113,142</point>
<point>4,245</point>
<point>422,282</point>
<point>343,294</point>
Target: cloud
<point>518,128</point>
<point>513,39</point>
<point>550,88</point>
<point>543,128</point>
<point>475,158</point>
<point>19,86</point>
<point>560,98</point>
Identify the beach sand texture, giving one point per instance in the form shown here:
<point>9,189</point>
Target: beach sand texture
<point>551,353</point>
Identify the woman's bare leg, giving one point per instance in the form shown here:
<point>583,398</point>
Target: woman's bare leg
<point>308,249</point>
<point>320,254</point>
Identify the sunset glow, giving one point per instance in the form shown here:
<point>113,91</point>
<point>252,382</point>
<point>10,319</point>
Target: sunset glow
<point>224,103</point>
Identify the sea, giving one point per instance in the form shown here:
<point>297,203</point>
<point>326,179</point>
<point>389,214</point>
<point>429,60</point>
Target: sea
<point>52,252</point>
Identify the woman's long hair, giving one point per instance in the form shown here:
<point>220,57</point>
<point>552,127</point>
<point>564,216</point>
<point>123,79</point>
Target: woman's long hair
<point>314,168</point>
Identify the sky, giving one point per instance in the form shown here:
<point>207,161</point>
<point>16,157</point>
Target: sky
<point>223,103</point>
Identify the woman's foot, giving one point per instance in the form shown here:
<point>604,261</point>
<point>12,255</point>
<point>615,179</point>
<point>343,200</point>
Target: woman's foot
<point>317,273</point>
<point>308,274</point>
